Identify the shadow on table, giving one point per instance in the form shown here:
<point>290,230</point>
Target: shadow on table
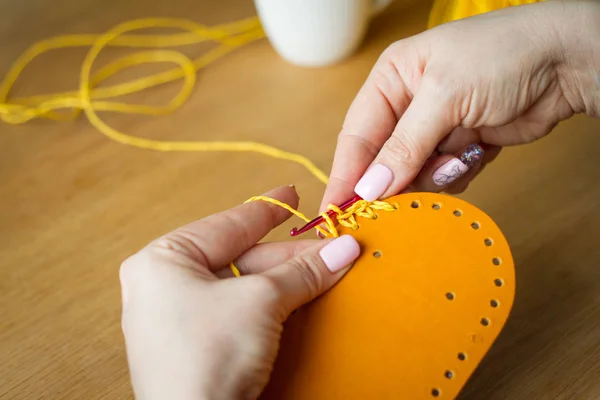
<point>550,331</point>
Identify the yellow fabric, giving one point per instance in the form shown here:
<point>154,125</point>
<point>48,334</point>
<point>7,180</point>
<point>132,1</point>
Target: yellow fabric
<point>451,10</point>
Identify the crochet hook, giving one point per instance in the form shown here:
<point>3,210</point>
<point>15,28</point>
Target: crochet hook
<point>320,220</point>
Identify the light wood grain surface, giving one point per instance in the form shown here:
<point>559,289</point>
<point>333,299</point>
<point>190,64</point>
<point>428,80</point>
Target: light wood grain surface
<point>73,204</point>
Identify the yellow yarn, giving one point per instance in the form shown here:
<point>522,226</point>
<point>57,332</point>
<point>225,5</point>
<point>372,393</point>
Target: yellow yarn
<point>235,270</point>
<point>90,99</point>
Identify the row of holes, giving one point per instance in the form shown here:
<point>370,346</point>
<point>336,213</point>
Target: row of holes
<point>448,375</point>
<point>496,261</point>
<point>450,296</point>
<point>487,241</point>
<point>493,303</point>
<point>458,213</point>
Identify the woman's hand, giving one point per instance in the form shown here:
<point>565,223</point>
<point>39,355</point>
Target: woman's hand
<point>192,330</point>
<point>498,79</point>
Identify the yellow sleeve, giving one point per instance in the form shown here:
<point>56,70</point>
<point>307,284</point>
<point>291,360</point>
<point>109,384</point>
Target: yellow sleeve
<point>450,10</point>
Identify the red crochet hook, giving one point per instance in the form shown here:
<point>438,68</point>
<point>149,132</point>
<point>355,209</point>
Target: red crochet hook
<point>320,220</point>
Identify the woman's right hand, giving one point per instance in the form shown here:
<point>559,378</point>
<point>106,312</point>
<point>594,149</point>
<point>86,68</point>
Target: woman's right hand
<point>498,79</point>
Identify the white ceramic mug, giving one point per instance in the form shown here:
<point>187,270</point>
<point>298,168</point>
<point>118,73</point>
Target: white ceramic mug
<point>316,32</point>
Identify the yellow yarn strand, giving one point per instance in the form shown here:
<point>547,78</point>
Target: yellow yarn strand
<point>235,270</point>
<point>290,209</point>
<point>90,99</point>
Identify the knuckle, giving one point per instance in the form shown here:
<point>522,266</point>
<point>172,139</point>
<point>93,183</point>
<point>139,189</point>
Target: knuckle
<point>139,267</point>
<point>450,99</point>
<point>130,269</point>
<point>434,82</point>
<point>402,150</point>
<point>177,241</point>
<point>262,289</point>
<point>262,285</point>
<point>265,292</point>
<point>391,52</point>
<point>530,132</point>
<point>383,79</point>
<point>438,87</point>
<point>308,270</point>
<point>182,242</point>
<point>365,144</point>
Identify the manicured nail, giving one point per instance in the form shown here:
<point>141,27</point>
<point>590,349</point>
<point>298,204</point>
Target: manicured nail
<point>374,182</point>
<point>449,172</point>
<point>456,167</point>
<point>340,253</point>
<point>471,155</point>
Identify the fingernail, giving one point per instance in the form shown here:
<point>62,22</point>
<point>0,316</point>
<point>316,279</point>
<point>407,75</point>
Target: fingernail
<point>292,186</point>
<point>340,253</point>
<point>374,182</point>
<point>449,172</point>
<point>471,155</point>
<point>456,167</point>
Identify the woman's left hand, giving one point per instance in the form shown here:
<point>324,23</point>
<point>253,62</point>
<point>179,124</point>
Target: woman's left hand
<point>192,330</point>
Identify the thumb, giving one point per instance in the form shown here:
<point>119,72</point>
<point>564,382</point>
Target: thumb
<point>313,272</point>
<point>427,120</point>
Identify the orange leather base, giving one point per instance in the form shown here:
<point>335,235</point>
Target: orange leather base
<point>415,315</point>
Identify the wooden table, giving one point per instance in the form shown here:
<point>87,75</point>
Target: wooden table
<point>74,204</point>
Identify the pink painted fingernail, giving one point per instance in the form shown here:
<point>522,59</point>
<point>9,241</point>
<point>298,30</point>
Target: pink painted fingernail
<point>340,253</point>
<point>455,168</point>
<point>374,182</point>
<point>449,172</point>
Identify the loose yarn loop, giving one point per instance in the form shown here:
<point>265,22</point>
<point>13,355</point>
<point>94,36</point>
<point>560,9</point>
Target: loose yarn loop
<point>90,98</point>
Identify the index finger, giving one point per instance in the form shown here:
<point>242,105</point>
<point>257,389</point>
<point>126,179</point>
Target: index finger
<point>370,121</point>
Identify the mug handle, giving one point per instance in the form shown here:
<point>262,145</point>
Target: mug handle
<point>378,6</point>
